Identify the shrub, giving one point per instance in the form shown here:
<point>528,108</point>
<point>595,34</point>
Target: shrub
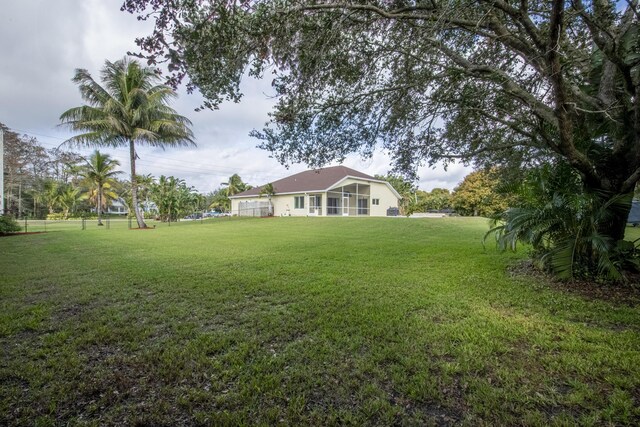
<point>563,224</point>
<point>59,216</point>
<point>8,225</point>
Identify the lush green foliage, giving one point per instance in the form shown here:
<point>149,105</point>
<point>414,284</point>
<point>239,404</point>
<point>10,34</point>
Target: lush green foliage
<point>131,108</point>
<point>219,199</point>
<point>173,198</point>
<point>8,225</point>
<point>29,172</point>
<point>563,225</point>
<point>235,185</point>
<point>302,321</point>
<point>438,199</point>
<point>99,172</point>
<point>478,194</point>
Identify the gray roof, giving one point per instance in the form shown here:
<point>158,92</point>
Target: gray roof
<point>311,180</point>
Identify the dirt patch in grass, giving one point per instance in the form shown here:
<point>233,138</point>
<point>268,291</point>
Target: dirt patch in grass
<point>627,294</point>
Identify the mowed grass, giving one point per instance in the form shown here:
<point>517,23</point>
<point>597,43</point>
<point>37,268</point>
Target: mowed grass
<point>302,321</point>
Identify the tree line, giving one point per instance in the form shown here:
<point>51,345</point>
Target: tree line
<point>60,184</point>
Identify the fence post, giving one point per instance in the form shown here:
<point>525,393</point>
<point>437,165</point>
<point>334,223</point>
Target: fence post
<point>26,224</point>
<point>129,222</point>
<point>84,226</point>
<point>45,225</point>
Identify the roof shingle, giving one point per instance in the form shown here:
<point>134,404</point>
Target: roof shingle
<point>311,180</point>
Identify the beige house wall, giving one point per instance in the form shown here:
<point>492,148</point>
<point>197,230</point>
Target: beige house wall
<point>386,196</point>
<point>284,204</point>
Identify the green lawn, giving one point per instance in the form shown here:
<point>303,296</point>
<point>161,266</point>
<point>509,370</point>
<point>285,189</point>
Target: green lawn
<point>314,321</point>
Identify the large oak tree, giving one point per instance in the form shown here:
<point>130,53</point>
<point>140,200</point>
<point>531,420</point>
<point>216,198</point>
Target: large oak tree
<point>494,82</point>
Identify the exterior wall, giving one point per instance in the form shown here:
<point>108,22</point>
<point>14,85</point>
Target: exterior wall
<point>284,204</point>
<point>281,204</point>
<point>387,199</point>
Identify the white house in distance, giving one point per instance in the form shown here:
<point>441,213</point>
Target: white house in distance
<point>331,191</point>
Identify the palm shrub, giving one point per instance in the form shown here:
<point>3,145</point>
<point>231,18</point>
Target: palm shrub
<point>99,174</point>
<point>563,224</point>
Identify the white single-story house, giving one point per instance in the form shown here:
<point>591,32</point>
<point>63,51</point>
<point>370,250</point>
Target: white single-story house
<point>117,207</point>
<point>331,191</point>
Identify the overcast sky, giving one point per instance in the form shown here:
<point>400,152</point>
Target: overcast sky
<point>42,42</point>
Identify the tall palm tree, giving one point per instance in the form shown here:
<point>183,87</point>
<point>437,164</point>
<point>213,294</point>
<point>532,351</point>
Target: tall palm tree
<point>131,108</point>
<point>235,185</point>
<point>99,172</point>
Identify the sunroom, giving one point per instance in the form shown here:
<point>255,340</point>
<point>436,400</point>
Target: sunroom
<point>349,200</point>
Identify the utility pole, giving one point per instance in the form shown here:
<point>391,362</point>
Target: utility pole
<point>1,172</point>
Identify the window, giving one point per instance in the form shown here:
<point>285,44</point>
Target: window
<point>375,201</point>
<point>299,202</point>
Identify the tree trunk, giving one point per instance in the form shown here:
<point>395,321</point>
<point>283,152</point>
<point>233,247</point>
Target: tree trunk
<point>616,227</point>
<point>99,208</point>
<point>134,187</point>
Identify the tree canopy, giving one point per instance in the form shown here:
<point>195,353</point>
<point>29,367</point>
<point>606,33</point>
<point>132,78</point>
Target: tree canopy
<point>478,195</point>
<point>494,82</point>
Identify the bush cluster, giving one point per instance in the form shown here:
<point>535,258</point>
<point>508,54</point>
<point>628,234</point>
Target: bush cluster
<point>8,225</point>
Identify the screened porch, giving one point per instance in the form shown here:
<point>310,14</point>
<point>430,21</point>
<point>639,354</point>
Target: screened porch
<point>349,200</point>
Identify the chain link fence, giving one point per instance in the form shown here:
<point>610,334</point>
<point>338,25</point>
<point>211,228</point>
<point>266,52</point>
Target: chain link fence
<point>30,225</point>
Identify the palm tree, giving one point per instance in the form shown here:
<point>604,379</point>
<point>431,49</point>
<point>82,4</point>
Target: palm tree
<point>99,172</point>
<point>68,199</point>
<point>235,185</point>
<point>131,108</point>
<point>144,185</point>
<point>269,191</point>
<point>51,194</point>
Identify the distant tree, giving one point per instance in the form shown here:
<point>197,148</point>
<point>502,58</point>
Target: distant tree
<point>200,202</point>
<point>144,187</point>
<point>235,185</point>
<point>68,199</point>
<point>436,200</point>
<point>99,172</point>
<point>129,110</point>
<point>269,191</point>
<point>50,194</point>
<point>478,195</point>
<point>173,198</point>
<point>218,200</point>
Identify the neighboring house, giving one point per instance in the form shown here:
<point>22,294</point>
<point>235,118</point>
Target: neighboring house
<point>332,191</point>
<point>117,207</point>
